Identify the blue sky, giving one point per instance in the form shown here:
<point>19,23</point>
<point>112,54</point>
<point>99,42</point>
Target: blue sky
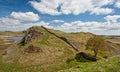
<point>95,16</point>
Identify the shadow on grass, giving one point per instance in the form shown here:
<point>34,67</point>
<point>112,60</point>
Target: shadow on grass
<point>84,57</point>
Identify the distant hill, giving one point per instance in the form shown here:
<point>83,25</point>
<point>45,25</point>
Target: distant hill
<point>10,33</point>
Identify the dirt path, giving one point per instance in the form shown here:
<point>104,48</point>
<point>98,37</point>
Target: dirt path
<point>10,50</point>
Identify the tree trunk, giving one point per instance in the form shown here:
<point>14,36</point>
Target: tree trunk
<point>95,52</point>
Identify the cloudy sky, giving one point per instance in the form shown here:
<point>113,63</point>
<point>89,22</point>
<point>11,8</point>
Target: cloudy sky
<point>95,16</point>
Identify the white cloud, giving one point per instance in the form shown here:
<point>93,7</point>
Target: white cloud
<point>8,21</point>
<point>117,4</point>
<point>25,16</point>
<point>93,27</point>
<point>18,17</point>
<point>58,7</point>
<point>14,23</point>
<point>46,6</point>
<point>21,27</point>
<point>57,21</point>
<point>112,18</point>
<point>75,6</point>
<point>99,11</point>
<point>100,3</point>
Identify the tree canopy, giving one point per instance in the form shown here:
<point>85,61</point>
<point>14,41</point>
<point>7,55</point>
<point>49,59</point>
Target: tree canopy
<point>96,43</point>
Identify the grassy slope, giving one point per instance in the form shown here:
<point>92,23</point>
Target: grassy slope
<point>112,64</point>
<point>54,55</point>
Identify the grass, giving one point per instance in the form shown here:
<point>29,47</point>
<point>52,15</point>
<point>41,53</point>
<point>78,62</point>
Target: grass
<point>44,39</point>
<point>56,55</point>
<point>111,64</point>
<point>6,67</point>
<point>53,58</point>
<point>16,67</point>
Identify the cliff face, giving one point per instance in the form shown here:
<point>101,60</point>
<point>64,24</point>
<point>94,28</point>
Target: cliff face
<point>31,34</point>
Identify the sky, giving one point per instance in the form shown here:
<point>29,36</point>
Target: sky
<point>101,17</point>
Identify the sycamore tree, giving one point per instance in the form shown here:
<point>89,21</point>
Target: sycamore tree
<point>96,43</point>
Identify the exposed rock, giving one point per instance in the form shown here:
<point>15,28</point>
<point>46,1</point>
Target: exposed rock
<point>33,49</point>
<point>30,35</point>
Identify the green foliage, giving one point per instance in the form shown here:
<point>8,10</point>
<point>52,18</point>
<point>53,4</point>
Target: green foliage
<point>112,64</point>
<point>96,43</point>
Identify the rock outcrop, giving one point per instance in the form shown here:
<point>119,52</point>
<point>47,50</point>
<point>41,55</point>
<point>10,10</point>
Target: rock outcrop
<point>31,34</point>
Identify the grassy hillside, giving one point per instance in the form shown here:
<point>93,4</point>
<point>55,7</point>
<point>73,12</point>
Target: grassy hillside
<point>112,64</point>
<point>41,51</point>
